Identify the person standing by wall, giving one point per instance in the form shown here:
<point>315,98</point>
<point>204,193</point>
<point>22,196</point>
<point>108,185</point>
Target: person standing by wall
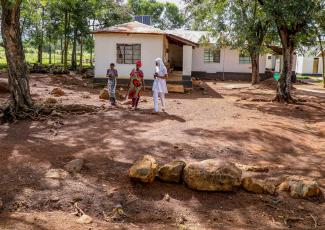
<point>111,83</point>
<point>136,84</point>
<point>159,87</point>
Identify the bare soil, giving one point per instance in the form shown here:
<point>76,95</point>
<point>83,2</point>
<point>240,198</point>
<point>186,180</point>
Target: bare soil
<point>229,120</point>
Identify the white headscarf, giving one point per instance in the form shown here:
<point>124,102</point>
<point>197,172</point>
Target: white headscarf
<point>161,69</point>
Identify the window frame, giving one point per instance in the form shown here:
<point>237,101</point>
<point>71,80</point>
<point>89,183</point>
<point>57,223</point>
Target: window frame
<point>214,55</point>
<point>245,60</point>
<point>131,53</point>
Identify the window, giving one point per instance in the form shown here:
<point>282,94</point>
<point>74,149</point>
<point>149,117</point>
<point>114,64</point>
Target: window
<point>128,53</point>
<point>211,55</point>
<point>244,60</point>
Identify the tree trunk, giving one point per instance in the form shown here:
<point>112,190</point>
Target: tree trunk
<point>283,92</point>
<point>323,56</point>
<point>17,68</point>
<point>62,50</point>
<point>66,40</point>
<point>81,53</point>
<point>50,51</point>
<point>255,68</point>
<point>74,51</point>
<point>40,42</point>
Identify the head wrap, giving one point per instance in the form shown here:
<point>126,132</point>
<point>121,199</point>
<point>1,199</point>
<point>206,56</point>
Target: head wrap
<point>138,63</point>
<point>161,68</point>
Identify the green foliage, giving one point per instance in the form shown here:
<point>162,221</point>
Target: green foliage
<point>164,15</point>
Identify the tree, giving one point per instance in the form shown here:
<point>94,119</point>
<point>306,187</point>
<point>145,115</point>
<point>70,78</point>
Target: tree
<point>17,69</point>
<point>164,16</point>
<point>319,27</point>
<point>172,18</point>
<point>292,19</point>
<point>243,23</point>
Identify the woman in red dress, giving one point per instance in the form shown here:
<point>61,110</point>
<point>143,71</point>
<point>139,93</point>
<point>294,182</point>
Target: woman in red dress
<point>136,84</point>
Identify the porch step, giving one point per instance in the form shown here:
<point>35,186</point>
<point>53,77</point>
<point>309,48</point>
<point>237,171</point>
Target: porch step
<point>172,88</point>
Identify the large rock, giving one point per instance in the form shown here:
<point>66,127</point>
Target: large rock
<point>300,187</point>
<point>212,175</point>
<point>258,186</point>
<point>104,94</point>
<point>144,170</point>
<point>172,172</point>
<point>74,166</point>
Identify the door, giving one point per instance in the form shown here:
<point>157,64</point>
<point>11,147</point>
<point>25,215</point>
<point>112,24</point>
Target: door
<point>315,65</point>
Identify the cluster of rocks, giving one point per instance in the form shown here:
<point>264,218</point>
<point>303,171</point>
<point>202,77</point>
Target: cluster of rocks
<point>220,175</point>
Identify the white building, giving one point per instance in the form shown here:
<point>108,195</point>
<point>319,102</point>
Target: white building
<point>310,63</point>
<point>180,49</point>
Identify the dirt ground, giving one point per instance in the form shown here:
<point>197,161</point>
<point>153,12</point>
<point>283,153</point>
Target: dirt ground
<point>229,120</point>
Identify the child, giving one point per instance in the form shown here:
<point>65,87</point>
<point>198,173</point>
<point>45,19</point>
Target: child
<point>136,84</point>
<point>111,83</point>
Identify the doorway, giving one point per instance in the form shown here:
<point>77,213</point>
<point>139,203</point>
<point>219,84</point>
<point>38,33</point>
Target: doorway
<point>315,65</point>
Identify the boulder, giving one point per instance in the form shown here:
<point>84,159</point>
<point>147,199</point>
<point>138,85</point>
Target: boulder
<point>258,186</point>
<point>74,166</point>
<point>300,187</point>
<point>212,175</point>
<point>104,94</point>
<point>171,172</point>
<point>56,174</point>
<point>144,170</point>
<point>57,92</point>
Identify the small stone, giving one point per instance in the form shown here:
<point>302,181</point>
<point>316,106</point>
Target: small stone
<point>56,174</point>
<point>167,197</point>
<point>300,187</point>
<point>54,198</point>
<point>85,219</point>
<point>172,172</point>
<point>144,170</point>
<point>104,94</point>
<point>50,184</point>
<point>1,204</point>
<point>51,100</point>
<point>258,186</point>
<point>212,175</point>
<point>253,168</point>
<point>74,166</point>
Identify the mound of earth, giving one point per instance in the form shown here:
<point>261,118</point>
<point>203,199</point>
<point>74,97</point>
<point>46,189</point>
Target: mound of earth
<point>4,88</point>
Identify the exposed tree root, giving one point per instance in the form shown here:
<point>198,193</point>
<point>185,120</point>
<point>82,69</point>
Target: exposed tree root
<point>9,114</point>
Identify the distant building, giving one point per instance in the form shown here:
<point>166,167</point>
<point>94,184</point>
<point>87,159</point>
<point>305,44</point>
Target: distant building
<point>181,50</point>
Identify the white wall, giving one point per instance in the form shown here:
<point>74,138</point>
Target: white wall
<point>187,60</point>
<point>229,62</point>
<point>305,65</point>
<point>105,53</point>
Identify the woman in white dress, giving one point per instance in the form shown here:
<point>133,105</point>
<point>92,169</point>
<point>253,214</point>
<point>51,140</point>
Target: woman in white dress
<point>159,87</point>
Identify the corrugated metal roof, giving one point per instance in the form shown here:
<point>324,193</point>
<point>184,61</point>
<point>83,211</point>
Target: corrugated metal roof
<point>131,27</point>
<point>185,36</point>
<point>194,36</point>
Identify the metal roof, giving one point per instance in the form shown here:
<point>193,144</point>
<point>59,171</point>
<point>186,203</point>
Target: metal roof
<point>140,28</point>
<point>130,27</point>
